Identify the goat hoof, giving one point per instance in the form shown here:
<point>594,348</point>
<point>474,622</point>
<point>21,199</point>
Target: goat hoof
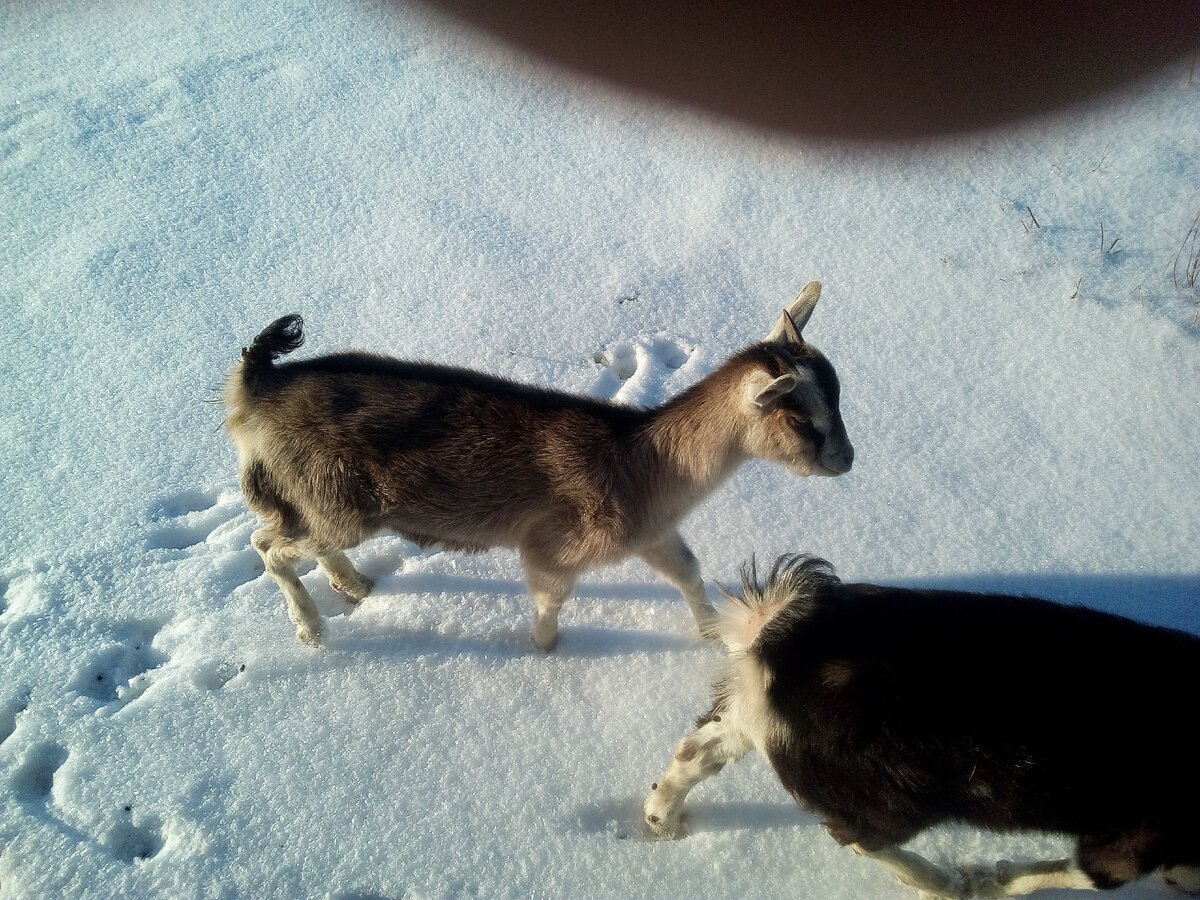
<point>662,821</point>
<point>355,592</point>
<point>546,644</point>
<point>665,829</point>
<point>309,636</point>
<point>545,637</point>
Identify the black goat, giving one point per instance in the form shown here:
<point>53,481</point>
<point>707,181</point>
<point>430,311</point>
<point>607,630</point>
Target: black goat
<point>888,711</point>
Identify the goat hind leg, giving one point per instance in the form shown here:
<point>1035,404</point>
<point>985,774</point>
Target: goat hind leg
<point>918,872</point>
<point>1183,878</point>
<point>279,555</point>
<point>673,560</point>
<point>549,591</point>
<point>1014,879</point>
<point>343,576</point>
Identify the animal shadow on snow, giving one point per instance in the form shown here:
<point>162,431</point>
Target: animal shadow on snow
<point>622,817</point>
<point>576,642</point>
<point>1172,601</point>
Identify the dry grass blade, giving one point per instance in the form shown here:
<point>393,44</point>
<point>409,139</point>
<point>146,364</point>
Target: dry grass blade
<point>1189,255</point>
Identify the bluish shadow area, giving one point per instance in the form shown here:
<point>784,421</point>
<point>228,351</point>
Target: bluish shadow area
<point>622,817</point>
<point>574,642</point>
<point>506,643</point>
<point>437,583</point>
<point>1169,600</point>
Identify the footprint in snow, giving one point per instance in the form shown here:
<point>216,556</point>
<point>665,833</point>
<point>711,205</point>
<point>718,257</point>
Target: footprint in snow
<point>20,595</point>
<point>215,675</point>
<point>185,520</point>
<point>33,780</point>
<point>10,713</point>
<point>119,675</point>
<point>215,525</point>
<point>129,836</point>
<point>637,372</point>
<point>132,837</point>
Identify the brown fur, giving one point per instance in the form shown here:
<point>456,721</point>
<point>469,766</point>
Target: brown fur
<point>337,448</point>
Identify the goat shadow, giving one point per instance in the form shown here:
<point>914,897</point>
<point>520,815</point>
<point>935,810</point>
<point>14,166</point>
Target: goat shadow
<point>575,642</point>
<point>512,642</point>
<point>622,817</point>
<point>1172,601</point>
<point>437,583</point>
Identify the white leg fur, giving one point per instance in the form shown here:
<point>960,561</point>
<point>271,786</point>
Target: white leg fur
<point>279,557</point>
<point>918,872</point>
<point>1005,879</point>
<point>1183,878</point>
<point>673,560</point>
<point>700,755</point>
<point>1013,879</point>
<point>549,593</point>
<point>344,577</point>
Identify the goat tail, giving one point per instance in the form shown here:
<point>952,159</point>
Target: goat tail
<point>792,589</point>
<point>278,339</point>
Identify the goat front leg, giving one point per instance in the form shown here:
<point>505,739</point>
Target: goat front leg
<point>702,754</point>
<point>279,555</point>
<point>549,591</point>
<point>343,576</point>
<point>673,560</point>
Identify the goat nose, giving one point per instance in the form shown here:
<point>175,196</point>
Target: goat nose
<point>842,460</point>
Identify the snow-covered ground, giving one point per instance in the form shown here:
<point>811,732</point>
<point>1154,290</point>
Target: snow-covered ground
<point>1022,399</point>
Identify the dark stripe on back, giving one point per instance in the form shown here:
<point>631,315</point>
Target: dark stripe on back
<point>371,365</point>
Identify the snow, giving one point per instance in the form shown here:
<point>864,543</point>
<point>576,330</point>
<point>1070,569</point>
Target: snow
<point>1022,400</point>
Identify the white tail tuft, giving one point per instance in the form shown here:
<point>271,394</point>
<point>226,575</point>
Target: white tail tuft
<point>788,595</point>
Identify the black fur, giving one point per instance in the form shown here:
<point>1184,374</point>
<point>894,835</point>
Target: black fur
<point>906,708</point>
<point>260,490</point>
<point>452,380</point>
<point>278,339</point>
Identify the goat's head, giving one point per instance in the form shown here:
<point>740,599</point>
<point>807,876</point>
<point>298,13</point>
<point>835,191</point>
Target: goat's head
<point>790,396</point>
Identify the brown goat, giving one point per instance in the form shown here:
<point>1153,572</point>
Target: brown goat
<point>334,449</point>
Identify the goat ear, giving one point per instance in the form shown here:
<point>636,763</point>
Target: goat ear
<point>765,396</point>
<point>791,324</point>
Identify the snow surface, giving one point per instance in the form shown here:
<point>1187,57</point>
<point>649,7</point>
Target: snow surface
<point>1023,402</point>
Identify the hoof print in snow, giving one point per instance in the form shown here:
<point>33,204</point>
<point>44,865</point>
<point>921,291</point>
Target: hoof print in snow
<point>21,595</point>
<point>133,840</point>
<point>178,505</point>
<point>217,675</point>
<point>11,712</point>
<point>622,361</point>
<point>189,520</point>
<point>240,566</point>
<point>34,778</point>
<point>637,372</point>
<point>121,674</point>
<point>214,527</point>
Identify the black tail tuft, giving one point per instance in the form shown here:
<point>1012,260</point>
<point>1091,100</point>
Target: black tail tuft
<point>278,339</point>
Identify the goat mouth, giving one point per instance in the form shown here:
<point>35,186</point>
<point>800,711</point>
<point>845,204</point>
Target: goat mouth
<point>824,471</point>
